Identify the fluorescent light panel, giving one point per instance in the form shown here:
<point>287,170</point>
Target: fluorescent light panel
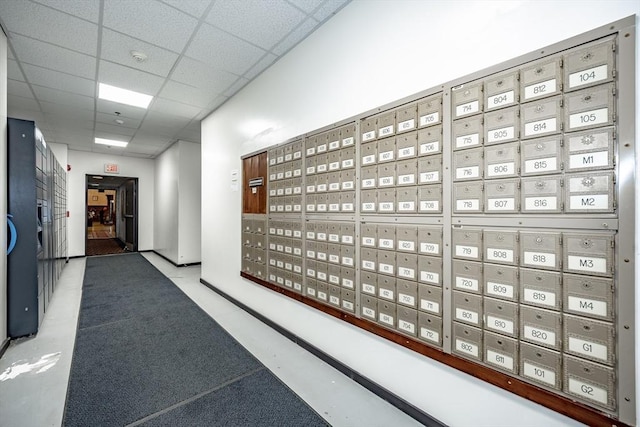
<point>111,142</point>
<point>123,96</point>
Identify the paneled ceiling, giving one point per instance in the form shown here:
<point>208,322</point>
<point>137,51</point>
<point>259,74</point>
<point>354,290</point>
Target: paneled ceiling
<point>199,54</point>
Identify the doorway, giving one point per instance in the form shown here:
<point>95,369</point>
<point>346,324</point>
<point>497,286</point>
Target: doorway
<point>112,215</point>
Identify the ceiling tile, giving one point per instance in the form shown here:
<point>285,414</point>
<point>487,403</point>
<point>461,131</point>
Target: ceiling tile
<point>67,113</point>
<point>110,120</point>
<point>63,98</point>
<point>239,84</point>
<point>128,78</point>
<point>262,22</point>
<point>117,48</point>
<point>163,120</point>
<point>260,66</point>
<point>110,107</point>
<point>202,76</point>
<point>19,103</point>
<point>296,36</point>
<point>329,8</point>
<point>151,21</point>
<point>192,7</point>
<point>13,70</point>
<point>57,80</point>
<point>223,51</point>
<point>34,116</point>
<point>115,129</point>
<point>151,140</point>
<point>33,20</point>
<point>212,106</point>
<point>187,94</point>
<point>18,88</point>
<point>89,10</point>
<point>190,135</point>
<point>172,108</point>
<point>307,6</point>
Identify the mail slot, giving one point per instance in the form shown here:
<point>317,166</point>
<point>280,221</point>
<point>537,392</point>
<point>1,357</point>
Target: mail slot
<point>430,169</point>
<point>348,201</point>
<point>348,180</point>
<point>407,266</point>
<point>296,150</point>
<point>430,270</point>
<point>501,246</point>
<point>407,238</point>
<point>310,230</point>
<point>348,300</point>
<point>541,365</point>
<point>589,108</point>
<point>407,321</point>
<point>347,233</point>
<point>502,161</point>
<point>348,277</point>
<point>407,145</point>
<point>541,327</point>
<point>430,299</point>
<point>467,276</point>
<point>322,143</point>
<point>468,197</point>
<point>430,329</point>
<point>369,308</point>
<point>322,293</point>
<point>333,253</point>
<point>589,254</point>
<point>310,165</point>
<point>386,125</point>
<point>407,292</point>
<point>406,118</point>
<point>321,272</point>
<point>468,133</point>
<point>590,382</point>
<point>369,283</point>
<point>386,237</point>
<point>430,141</point>
<point>334,295</point>
<point>430,240</point>
<point>467,99</point>
<point>407,199</point>
<point>590,65</point>
<point>502,126</point>
<point>467,243</point>
<point>541,118</point>
<point>590,150</point>
<point>387,263</point>
<point>333,274</point>
<point>310,288</point>
<point>501,91</point>
<point>322,202</point>
<point>467,308</point>
<point>541,79</point>
<point>588,296</point>
<point>386,150</point>
<point>369,259</point>
<point>369,177</point>
<point>333,158</point>
<point>386,201</point>
<point>430,110</point>
<point>501,317</point>
<point>322,163</point>
<point>369,233</point>
<point>406,171</point>
<point>386,175</point>
<point>322,251</point>
<point>387,314</point>
<point>272,157</point>
<point>589,339</point>
<point>468,164</point>
<point>368,129</point>
<point>541,194</point>
<point>541,250</point>
<point>333,138</point>
<point>347,133</point>
<point>501,352</point>
<point>430,199</point>
<point>502,196</point>
<point>542,156</point>
<point>368,153</point>
<point>347,256</point>
<point>467,341</point>
<point>590,192</point>
<point>541,288</point>
<point>348,158</point>
<point>333,181</point>
<point>369,201</point>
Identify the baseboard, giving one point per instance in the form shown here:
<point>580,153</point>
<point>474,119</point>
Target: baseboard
<point>4,347</point>
<point>188,264</point>
<point>370,385</point>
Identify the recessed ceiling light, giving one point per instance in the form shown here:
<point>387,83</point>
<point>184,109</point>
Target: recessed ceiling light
<point>119,121</point>
<point>123,96</point>
<point>111,142</point>
<point>96,177</point>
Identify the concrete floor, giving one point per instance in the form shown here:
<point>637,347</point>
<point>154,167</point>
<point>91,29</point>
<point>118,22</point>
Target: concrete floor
<point>34,372</point>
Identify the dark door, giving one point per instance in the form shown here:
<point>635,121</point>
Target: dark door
<point>131,214</point>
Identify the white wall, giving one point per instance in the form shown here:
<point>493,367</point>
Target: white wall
<point>165,236</point>
<point>83,163</point>
<point>189,230</point>
<point>369,54</point>
<point>3,187</point>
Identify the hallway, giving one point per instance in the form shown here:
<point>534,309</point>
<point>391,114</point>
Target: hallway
<point>34,371</point>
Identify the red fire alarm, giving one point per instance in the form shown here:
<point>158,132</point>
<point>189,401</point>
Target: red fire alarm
<point>67,214</point>
<point>68,168</point>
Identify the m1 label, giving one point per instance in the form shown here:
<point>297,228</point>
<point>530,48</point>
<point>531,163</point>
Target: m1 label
<point>467,348</point>
<point>430,335</point>
<point>470,172</point>
<point>467,251</point>
<point>347,163</point>
<point>540,335</point>
<point>429,206</point>
<point>406,206</point>
<point>429,119</point>
<point>406,245</point>
<point>468,205</point>
<point>369,160</point>
<point>406,152</point>
<point>499,359</point>
<point>541,127</point>
<point>426,177</point>
<point>430,147</point>
<point>500,255</point>
<point>502,134</point>
<point>407,179</point>
<point>429,277</point>
<point>540,89</point>
<point>429,248</point>
<point>541,259</point>
<point>501,169</point>
<point>468,108</point>
<point>467,140</point>
<point>588,348</point>
<point>588,391</point>
<point>431,306</point>
<point>589,306</point>
<point>589,202</point>
<point>346,142</point>
<point>385,156</point>
<point>407,299</point>
<point>385,131</point>
<point>589,76</point>
<point>590,264</point>
<point>406,326</point>
<point>368,207</point>
<point>499,324</point>
<point>368,289</point>
<point>467,284</point>
<point>499,289</point>
<point>539,373</point>
<point>506,204</point>
<point>540,297</point>
<point>589,118</point>
<point>589,160</point>
<point>385,268</point>
<point>369,312</point>
<point>549,164</point>
<point>500,99</point>
<point>408,273</point>
<point>406,125</point>
<point>385,318</point>
<point>467,316</point>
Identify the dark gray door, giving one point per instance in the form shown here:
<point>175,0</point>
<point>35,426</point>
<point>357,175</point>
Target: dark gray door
<point>131,214</point>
